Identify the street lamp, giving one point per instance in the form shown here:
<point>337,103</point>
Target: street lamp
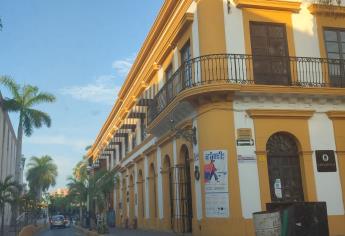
<point>88,220</point>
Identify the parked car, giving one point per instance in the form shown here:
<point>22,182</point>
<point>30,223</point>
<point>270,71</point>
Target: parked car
<point>57,221</point>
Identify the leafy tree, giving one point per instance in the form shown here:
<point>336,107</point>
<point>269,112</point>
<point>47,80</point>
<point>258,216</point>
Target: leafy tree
<point>41,174</point>
<point>9,192</point>
<point>24,99</point>
<point>101,185</point>
<point>78,191</point>
<point>80,171</point>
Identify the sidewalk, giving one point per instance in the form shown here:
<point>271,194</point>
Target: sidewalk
<point>137,232</point>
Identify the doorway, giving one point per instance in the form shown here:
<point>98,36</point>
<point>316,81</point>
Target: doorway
<point>284,168</point>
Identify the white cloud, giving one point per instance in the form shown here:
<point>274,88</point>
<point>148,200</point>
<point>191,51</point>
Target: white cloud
<point>123,66</point>
<point>58,140</point>
<point>102,90</point>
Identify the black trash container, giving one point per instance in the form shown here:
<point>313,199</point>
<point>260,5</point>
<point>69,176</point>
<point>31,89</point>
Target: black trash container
<point>302,218</point>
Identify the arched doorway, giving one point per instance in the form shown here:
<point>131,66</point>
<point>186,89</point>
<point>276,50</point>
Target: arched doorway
<point>141,211</point>
<point>124,217</point>
<point>131,201</point>
<point>284,168</point>
<point>183,212</point>
<point>153,194</point>
<point>168,191</point>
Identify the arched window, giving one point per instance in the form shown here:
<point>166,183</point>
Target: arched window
<point>284,168</point>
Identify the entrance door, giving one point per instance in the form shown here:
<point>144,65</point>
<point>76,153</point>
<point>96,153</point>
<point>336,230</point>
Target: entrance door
<point>335,46</point>
<point>182,202</point>
<point>284,168</point>
<point>270,53</point>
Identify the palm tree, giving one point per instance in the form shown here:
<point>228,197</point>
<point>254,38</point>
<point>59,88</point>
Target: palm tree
<point>23,100</point>
<point>41,174</point>
<point>101,184</point>
<point>78,190</point>
<point>9,190</point>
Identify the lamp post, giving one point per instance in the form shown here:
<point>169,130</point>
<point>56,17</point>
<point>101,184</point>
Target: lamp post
<point>88,219</point>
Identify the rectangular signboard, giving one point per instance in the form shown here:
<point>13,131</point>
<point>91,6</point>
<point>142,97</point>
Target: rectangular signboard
<point>216,171</point>
<point>325,160</point>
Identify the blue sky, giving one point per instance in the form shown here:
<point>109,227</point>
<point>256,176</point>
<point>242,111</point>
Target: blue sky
<point>79,50</point>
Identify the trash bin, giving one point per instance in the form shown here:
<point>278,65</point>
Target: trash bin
<point>302,218</point>
<point>267,223</point>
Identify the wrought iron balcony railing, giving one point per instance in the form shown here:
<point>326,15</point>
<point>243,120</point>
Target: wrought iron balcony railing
<point>249,69</point>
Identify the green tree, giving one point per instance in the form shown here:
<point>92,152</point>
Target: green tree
<point>41,174</point>
<point>78,191</point>
<point>101,184</point>
<point>9,192</point>
<point>24,99</point>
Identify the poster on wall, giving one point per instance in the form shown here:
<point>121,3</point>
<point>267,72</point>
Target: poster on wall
<point>216,171</point>
<point>217,205</point>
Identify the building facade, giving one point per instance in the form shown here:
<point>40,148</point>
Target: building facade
<point>8,147</point>
<point>229,105</point>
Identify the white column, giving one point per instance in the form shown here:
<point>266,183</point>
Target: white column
<point>159,183</point>
<point>197,184</point>
<point>247,170</point>
<point>147,206</point>
<point>177,206</point>
<point>328,187</point>
<point>136,189</point>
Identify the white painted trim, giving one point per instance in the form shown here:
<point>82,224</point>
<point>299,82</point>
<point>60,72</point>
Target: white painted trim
<point>147,207</point>
<point>159,184</point>
<point>328,186</point>
<point>197,183</point>
<point>248,170</point>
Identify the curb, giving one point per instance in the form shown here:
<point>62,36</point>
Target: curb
<point>31,230</point>
<point>86,232</point>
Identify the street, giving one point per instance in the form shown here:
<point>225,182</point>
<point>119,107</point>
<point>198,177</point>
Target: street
<point>70,231</point>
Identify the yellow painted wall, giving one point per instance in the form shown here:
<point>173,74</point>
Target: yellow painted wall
<point>216,131</point>
<point>211,27</point>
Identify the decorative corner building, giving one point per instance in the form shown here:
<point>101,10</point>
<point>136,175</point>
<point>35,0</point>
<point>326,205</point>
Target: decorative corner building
<point>229,105</point>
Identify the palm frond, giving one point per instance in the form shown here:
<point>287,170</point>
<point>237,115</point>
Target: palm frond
<point>27,125</point>
<point>28,92</point>
<point>9,83</point>
<point>39,118</point>
<point>11,105</point>
<point>40,98</point>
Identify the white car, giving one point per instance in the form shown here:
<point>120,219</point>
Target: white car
<point>57,221</point>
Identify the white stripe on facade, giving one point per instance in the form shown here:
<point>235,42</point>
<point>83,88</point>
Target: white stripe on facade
<point>147,206</point>
<point>328,187</point>
<point>159,184</point>
<point>248,170</point>
<point>198,195</point>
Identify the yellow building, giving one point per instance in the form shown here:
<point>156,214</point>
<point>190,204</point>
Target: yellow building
<point>230,105</point>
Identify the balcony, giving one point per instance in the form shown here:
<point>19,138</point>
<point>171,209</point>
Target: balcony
<point>249,70</point>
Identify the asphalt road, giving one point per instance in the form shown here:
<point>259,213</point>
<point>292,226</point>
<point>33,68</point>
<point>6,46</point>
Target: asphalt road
<point>70,231</point>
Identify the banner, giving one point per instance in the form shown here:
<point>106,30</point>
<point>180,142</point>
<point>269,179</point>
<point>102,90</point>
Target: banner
<point>216,171</point>
<point>216,183</point>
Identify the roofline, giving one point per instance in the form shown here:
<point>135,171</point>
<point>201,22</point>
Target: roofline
<point>162,18</point>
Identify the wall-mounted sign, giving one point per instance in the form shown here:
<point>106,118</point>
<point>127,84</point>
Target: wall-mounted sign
<point>244,137</point>
<point>246,158</point>
<point>244,133</point>
<point>325,160</point>
<point>245,142</point>
<point>216,183</point>
<point>217,205</point>
<point>216,171</point>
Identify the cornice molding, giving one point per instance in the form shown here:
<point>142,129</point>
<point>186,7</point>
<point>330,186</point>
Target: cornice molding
<point>291,6</point>
<point>320,9</point>
<point>277,113</point>
<point>336,115</point>
<point>143,65</point>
